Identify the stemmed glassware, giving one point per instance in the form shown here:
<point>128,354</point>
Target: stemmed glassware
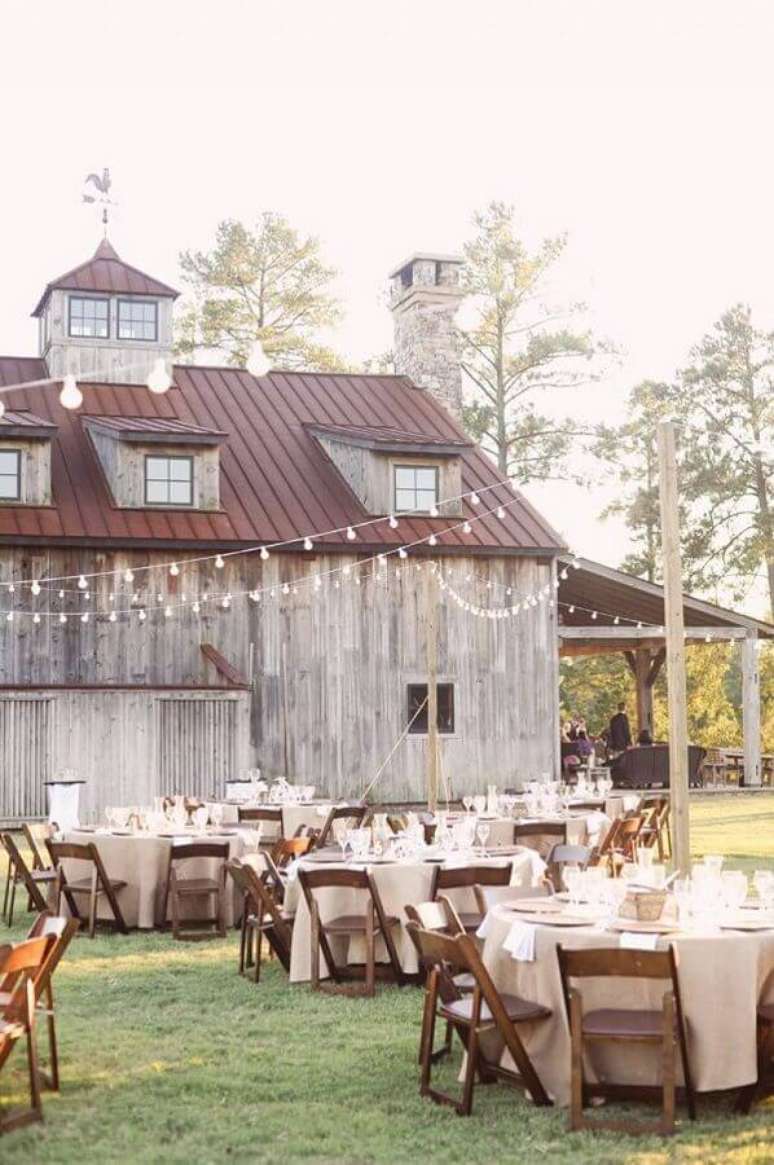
<point>483,833</point>
<point>467,802</point>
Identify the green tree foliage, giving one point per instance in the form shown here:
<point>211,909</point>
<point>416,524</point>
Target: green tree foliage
<point>517,347</point>
<point>265,283</point>
<point>726,401</point>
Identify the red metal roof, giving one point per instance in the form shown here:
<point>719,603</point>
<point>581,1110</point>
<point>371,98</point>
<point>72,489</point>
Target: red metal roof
<point>26,423</point>
<point>106,272</point>
<point>276,480</point>
<point>166,427</point>
<point>384,435</point>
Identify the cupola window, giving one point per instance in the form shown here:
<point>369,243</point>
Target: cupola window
<point>137,320</point>
<point>89,317</point>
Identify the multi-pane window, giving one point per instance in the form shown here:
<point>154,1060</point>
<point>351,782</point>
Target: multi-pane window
<point>416,488</point>
<point>417,708</point>
<point>89,317</point>
<point>10,475</point>
<point>169,481</point>
<point>137,320</point>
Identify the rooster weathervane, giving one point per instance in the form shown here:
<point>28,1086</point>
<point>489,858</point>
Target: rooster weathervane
<point>100,194</point>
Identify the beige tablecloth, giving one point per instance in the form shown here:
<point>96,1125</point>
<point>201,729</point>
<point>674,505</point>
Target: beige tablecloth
<point>720,975</point>
<point>399,884</point>
<point>142,861</point>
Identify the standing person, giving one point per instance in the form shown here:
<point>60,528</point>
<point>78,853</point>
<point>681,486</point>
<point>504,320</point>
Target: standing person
<point>620,737</point>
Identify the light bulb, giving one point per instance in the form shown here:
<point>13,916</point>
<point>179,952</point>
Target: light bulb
<point>142,616</point>
<point>112,617</point>
<point>61,594</point>
<point>393,522</point>
<point>572,609</point>
<point>159,598</point>
<point>36,618</point>
<point>2,408</point>
<point>434,511</point>
<point>85,617</point>
<point>255,596</point>
<point>402,553</point>
<point>258,363</point>
<point>71,396</point>
<point>564,575</point>
<point>62,618</point>
<point>500,512</point>
<point>593,614</point>
<point>219,563</point>
<point>466,527</point>
<point>195,608</point>
<point>307,544</point>
<point>226,602</point>
<point>432,540</point>
<point>167,612</point>
<point>474,498</point>
<point>35,588</point>
<point>174,569</point>
<point>317,582</point>
<point>264,553</point>
<point>345,571</point>
<point>616,621</point>
<point>351,535</point>
<point>285,589</point>
<point>159,380</point>
<point>82,584</point>
<point>9,617</point>
<point>128,576</point>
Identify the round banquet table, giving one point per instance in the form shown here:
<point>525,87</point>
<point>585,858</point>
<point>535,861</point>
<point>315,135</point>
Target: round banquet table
<point>142,861</point>
<point>721,976</point>
<point>399,883</point>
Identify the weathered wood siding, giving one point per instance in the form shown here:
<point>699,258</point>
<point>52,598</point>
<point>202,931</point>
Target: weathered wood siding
<point>128,745</point>
<point>329,668</point>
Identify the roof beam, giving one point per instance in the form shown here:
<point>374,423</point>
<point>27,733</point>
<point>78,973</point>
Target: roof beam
<point>612,634</point>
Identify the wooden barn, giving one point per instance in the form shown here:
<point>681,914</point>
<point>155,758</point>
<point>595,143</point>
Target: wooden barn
<point>133,655</point>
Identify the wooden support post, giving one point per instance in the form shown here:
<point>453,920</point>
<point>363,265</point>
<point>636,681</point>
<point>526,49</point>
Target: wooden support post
<point>751,711</point>
<point>675,646</point>
<point>431,654</point>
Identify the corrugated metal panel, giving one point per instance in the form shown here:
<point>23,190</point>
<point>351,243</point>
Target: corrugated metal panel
<point>25,757</point>
<point>196,746</point>
<point>276,481</point>
<point>105,271</point>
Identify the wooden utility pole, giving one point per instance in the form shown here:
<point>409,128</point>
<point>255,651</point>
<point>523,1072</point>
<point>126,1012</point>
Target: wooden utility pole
<point>431,652</point>
<point>751,710</point>
<point>675,646</point>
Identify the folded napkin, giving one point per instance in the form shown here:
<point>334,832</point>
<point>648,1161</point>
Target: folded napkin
<point>632,941</point>
<point>520,942</point>
<point>597,823</point>
<point>251,838</point>
<point>538,865</point>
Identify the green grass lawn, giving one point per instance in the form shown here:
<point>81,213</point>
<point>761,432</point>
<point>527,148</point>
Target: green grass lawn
<point>167,1055</point>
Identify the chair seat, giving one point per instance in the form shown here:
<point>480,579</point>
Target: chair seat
<point>766,1012</point>
<point>197,886</point>
<point>83,886</point>
<point>630,1024</point>
<point>518,1010</point>
<point>464,982</point>
<point>355,924</point>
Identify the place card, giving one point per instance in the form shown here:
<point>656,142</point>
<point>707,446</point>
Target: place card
<point>630,941</point>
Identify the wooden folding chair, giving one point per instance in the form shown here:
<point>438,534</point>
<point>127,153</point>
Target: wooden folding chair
<point>764,1085</point>
<point>662,1027</point>
<point>179,889</point>
<point>262,914</point>
<point>442,918</point>
<point>655,827</point>
<point>97,885</point>
<point>36,834</point>
<point>20,964</point>
<point>353,813</point>
<point>36,882</point>
<point>540,835</point>
<point>263,815</point>
<point>61,930</point>
<point>472,1016</point>
<point>370,924</point>
<point>562,856</point>
<point>467,877</point>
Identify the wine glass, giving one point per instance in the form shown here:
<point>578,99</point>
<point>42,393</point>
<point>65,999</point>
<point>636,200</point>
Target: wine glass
<point>216,814</point>
<point>483,833</point>
<point>762,880</point>
<point>467,802</point>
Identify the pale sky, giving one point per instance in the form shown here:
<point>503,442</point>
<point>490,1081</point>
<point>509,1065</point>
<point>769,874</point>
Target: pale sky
<point>642,128</point>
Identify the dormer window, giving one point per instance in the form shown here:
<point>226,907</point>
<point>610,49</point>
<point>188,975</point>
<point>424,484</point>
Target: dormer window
<point>89,317</point>
<point>168,481</point>
<point>138,320</point>
<point>10,475</point>
<point>415,488</point>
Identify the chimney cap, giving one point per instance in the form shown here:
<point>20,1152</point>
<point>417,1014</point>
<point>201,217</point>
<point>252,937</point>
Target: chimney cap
<point>432,256</point>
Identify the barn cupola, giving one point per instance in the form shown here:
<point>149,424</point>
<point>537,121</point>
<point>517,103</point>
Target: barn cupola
<point>105,321</point>
<point>425,293</point>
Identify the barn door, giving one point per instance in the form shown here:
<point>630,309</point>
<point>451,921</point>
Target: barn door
<point>196,746</point>
<point>25,757</point>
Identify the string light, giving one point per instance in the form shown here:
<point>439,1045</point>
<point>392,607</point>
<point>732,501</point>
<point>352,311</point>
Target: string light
<point>174,569</point>
<point>433,511</point>
<point>129,576</point>
<point>112,617</point>
<point>308,544</point>
<point>35,588</point>
<point>393,522</point>
<point>159,381</point>
<point>351,535</point>
<point>432,540</point>
<point>36,618</point>
<point>219,563</point>
<point>71,396</point>
<point>474,499</point>
<point>82,584</point>
<point>264,553</point>
<point>466,527</point>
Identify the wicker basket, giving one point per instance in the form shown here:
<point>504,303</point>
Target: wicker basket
<point>643,905</point>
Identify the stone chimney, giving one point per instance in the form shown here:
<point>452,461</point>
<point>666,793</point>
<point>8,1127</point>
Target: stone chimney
<point>424,296</point>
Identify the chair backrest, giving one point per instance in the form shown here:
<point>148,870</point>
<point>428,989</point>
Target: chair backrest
<point>37,834</point>
<point>527,829</point>
<point>562,856</point>
<point>262,901</point>
<point>22,871</point>
<point>439,915</point>
<point>612,962</point>
<point>80,851</point>
<point>353,813</point>
<point>20,964</point>
<point>458,877</point>
<point>260,813</point>
<point>288,848</point>
<point>47,926</point>
<point>199,849</point>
